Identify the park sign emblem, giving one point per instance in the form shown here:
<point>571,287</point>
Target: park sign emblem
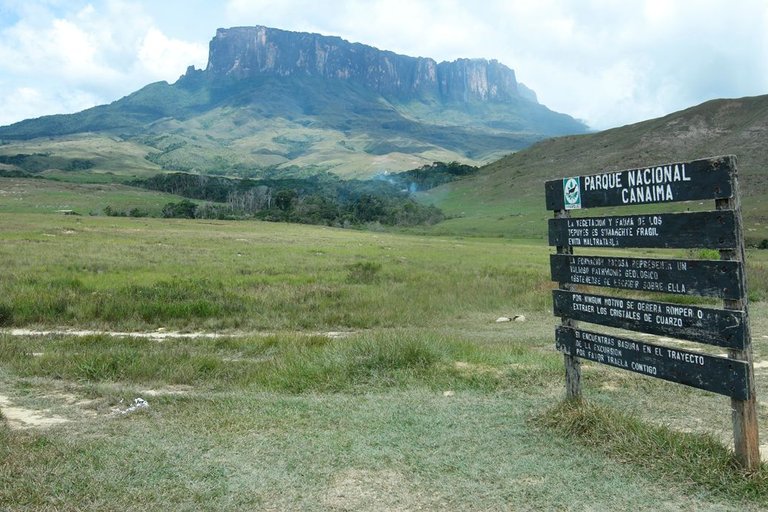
<point>571,193</point>
<point>579,276</point>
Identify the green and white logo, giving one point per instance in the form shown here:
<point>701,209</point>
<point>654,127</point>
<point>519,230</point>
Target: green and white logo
<point>572,193</point>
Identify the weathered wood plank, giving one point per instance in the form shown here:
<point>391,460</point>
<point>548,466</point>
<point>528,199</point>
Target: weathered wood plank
<point>716,374</point>
<point>746,435</point>
<point>708,278</point>
<point>682,181</point>
<point>713,230</point>
<point>572,363</point>
<point>712,326</point>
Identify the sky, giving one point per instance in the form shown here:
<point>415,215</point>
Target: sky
<point>606,62</point>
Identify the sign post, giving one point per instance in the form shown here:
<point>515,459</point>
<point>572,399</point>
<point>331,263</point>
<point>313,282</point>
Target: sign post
<point>720,229</point>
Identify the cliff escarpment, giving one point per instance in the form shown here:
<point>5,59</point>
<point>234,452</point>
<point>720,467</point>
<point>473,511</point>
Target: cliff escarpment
<point>248,52</point>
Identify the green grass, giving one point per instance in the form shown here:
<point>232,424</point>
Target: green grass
<point>47,196</point>
<point>425,402</point>
<point>701,459</point>
<point>149,273</point>
<point>291,363</point>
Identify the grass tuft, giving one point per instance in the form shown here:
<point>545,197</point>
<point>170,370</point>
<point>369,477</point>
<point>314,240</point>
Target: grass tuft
<point>685,458</point>
<point>366,272</point>
<point>6,315</point>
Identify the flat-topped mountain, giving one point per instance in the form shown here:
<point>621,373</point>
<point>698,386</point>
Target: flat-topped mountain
<point>272,101</point>
<point>251,52</point>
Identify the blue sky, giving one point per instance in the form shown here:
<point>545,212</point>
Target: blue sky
<point>608,62</point>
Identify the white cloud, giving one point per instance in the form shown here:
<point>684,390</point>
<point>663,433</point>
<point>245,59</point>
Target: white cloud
<point>165,58</point>
<point>28,102</point>
<point>84,57</point>
<point>609,62</point>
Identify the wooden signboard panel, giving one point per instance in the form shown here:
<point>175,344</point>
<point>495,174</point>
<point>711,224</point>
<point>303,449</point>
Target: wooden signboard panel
<point>712,326</point>
<point>714,230</point>
<point>707,278</point>
<point>706,179</point>
<point>682,181</point>
<point>716,374</point>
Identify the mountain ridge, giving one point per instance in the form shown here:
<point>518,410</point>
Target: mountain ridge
<point>272,100</point>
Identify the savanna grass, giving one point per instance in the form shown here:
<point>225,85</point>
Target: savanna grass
<point>692,460</point>
<point>143,274</point>
<point>289,363</point>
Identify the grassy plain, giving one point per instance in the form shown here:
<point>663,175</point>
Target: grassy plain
<point>418,399</point>
<point>27,195</point>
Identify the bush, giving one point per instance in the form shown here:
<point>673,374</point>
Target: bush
<point>184,209</point>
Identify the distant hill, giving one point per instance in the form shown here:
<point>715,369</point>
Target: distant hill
<point>272,101</point>
<point>507,196</point>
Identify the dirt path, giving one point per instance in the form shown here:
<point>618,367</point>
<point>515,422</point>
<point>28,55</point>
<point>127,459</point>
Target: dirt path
<point>20,417</point>
<point>160,334</point>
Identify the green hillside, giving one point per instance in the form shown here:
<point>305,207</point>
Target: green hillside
<point>507,197</point>
<point>268,125</point>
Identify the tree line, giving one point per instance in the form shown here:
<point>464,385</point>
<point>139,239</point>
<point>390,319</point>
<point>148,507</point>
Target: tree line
<point>321,199</point>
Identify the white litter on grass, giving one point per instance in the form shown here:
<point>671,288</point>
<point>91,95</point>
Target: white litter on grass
<point>515,318</point>
<point>138,404</point>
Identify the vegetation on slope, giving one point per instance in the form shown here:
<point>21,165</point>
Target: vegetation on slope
<point>507,196</point>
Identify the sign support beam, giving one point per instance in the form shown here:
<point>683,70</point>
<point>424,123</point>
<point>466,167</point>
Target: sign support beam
<point>746,441</point>
<point>572,363</point>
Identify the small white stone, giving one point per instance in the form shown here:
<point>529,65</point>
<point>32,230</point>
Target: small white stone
<point>503,319</point>
<point>448,393</point>
<point>519,318</point>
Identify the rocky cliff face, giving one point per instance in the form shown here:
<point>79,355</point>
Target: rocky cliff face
<point>246,52</point>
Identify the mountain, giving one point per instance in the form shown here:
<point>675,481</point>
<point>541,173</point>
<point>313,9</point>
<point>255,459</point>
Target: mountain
<point>272,101</point>
<point>507,196</point>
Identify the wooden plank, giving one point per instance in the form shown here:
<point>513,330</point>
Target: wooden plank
<point>716,374</point>
<point>571,363</point>
<point>712,326</point>
<point>708,278</point>
<point>746,435</point>
<point>713,230</point>
<point>682,181</point>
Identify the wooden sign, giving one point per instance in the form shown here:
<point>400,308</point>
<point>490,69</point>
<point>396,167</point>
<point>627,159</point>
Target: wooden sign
<point>682,181</point>
<point>717,374</point>
<point>707,278</point>
<point>714,230</point>
<point>708,179</point>
<point>712,326</point>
